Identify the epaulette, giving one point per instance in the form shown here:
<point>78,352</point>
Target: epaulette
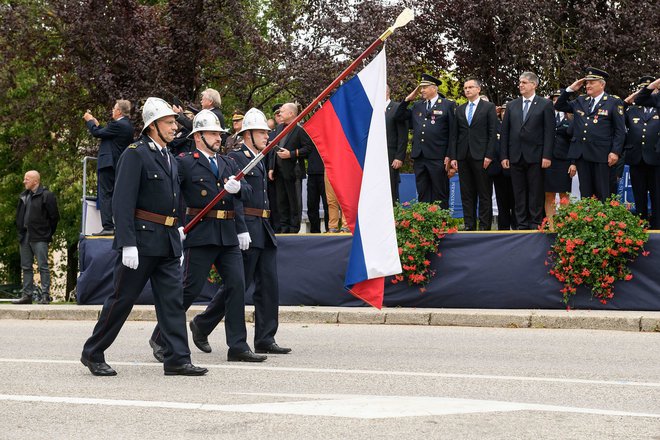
<point>133,146</point>
<point>247,153</point>
<point>195,155</point>
<point>183,154</point>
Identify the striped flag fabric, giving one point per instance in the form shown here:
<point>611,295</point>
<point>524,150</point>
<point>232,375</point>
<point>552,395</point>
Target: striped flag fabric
<point>349,132</point>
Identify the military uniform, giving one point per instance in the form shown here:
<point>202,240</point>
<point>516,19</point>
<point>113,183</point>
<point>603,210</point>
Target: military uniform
<point>145,211</point>
<point>213,241</point>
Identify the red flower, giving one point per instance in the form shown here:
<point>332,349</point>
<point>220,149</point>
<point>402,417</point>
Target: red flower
<point>573,215</point>
<point>564,201</point>
<point>615,203</point>
<point>585,272</point>
<point>628,277</point>
<point>433,208</point>
<point>646,253</point>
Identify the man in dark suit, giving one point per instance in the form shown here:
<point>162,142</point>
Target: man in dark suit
<point>148,245</point>
<point>599,132</point>
<point>432,121</point>
<point>528,135</point>
<point>210,99</point>
<point>472,152</point>
<point>397,143</point>
<point>289,170</point>
<point>643,124</point>
<point>115,137</point>
<point>217,239</point>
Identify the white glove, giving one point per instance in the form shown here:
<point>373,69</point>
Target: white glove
<point>182,235</point>
<point>232,185</point>
<point>129,257</point>
<point>181,258</point>
<point>244,241</point>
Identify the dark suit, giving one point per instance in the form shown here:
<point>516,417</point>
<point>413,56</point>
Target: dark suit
<point>556,178</point>
<point>525,143</point>
<point>145,181</point>
<point>316,191</point>
<point>432,130</point>
<point>643,134</point>
<point>213,241</point>
<point>474,142</point>
<point>596,134</point>
<point>397,143</point>
<point>115,137</point>
<point>506,212</point>
<point>288,177</point>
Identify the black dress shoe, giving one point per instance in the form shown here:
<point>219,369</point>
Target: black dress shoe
<point>185,370</point>
<point>45,299</point>
<point>105,233</point>
<point>98,368</point>
<point>25,299</point>
<point>246,356</point>
<point>200,340</point>
<point>159,352</point>
<point>272,349</point>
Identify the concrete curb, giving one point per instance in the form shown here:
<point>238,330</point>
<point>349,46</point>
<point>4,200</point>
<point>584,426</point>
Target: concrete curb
<point>637,321</point>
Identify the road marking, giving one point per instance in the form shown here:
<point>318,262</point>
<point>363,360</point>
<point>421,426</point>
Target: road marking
<point>347,406</point>
<point>243,366</point>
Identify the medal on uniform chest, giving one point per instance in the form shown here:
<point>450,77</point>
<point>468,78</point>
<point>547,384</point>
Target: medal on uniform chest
<point>204,193</point>
<point>595,119</point>
<point>432,119</point>
<point>419,114</point>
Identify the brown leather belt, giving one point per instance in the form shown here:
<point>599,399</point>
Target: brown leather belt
<point>155,218</point>
<point>264,213</point>
<point>214,213</point>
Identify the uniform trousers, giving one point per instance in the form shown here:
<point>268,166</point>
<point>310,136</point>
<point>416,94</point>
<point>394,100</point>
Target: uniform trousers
<point>645,180</point>
<point>165,276</point>
<point>431,181</point>
<point>315,195</point>
<point>594,179</point>
<point>289,204</point>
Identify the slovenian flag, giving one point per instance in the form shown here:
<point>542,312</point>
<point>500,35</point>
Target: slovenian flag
<point>349,132</point>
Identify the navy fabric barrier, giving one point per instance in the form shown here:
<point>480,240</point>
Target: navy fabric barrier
<point>476,270</point>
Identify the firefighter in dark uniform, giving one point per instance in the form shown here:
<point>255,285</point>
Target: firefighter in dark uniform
<point>260,260</point>
<point>431,120</point>
<point>217,239</point>
<point>599,132</point>
<point>149,245</point>
<point>643,124</point>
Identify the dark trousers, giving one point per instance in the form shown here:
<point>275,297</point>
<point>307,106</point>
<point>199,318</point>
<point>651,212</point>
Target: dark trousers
<point>528,194</point>
<point>272,204</point>
<point>645,180</point>
<point>506,212</point>
<point>165,276</point>
<point>316,195</point>
<point>29,251</point>
<point>594,179</point>
<point>261,268</point>
<point>231,298</point>
<point>475,182</point>
<point>106,181</point>
<point>395,179</point>
<point>431,181</point>
<point>289,204</point>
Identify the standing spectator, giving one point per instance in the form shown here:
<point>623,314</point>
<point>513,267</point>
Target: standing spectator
<point>209,100</point>
<point>334,209</point>
<point>270,164</point>
<point>643,124</point>
<point>316,191</point>
<point>397,143</point>
<point>506,212</point>
<point>235,140</point>
<point>36,221</point>
<point>528,135</point>
<point>115,137</point>
<point>432,121</point>
<point>599,132</point>
<point>472,152</point>
<point>289,170</point>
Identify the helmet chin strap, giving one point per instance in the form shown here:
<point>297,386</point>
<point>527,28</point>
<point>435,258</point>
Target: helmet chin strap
<point>160,135</point>
<point>206,143</point>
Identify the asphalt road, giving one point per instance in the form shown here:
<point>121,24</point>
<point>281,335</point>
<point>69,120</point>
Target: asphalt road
<point>340,382</point>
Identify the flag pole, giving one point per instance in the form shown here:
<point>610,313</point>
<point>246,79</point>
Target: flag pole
<point>404,18</point>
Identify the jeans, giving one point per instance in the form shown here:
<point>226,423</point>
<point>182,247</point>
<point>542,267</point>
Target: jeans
<point>29,250</point>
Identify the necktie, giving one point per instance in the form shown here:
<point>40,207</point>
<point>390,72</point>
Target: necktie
<point>214,167</point>
<point>428,105</point>
<point>470,113</point>
<point>166,157</point>
<point>525,109</point>
<point>591,107</point>
<point>558,118</point>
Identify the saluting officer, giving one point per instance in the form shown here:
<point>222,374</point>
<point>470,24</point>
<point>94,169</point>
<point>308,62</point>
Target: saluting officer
<point>260,260</point>
<point>432,121</point>
<point>599,132</point>
<point>643,124</point>
<point>217,239</point>
<point>145,210</point>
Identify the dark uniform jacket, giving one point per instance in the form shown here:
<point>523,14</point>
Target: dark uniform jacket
<point>397,133</point>
<point>647,98</point>
<point>531,139</point>
<point>596,134</point>
<point>432,129</point>
<point>643,135</point>
<point>297,139</point>
<point>42,218</point>
<point>199,186</point>
<point>562,138</point>
<point>145,181</point>
<point>254,195</point>
<point>479,138</point>
<point>115,137</point>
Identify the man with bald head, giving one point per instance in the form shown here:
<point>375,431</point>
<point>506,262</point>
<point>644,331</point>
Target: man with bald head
<point>288,169</point>
<point>36,221</point>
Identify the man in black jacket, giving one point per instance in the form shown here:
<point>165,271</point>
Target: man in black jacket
<point>472,152</point>
<point>397,143</point>
<point>36,221</point>
<point>528,136</point>
<point>115,137</point>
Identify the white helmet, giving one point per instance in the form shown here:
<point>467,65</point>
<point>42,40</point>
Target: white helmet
<point>154,109</point>
<point>254,120</point>
<point>206,120</point>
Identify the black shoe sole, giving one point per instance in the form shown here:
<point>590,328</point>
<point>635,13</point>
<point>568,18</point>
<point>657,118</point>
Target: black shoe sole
<point>178,373</point>
<point>85,362</point>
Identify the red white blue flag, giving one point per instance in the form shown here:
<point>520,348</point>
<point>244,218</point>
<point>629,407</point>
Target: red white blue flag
<point>349,132</point>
